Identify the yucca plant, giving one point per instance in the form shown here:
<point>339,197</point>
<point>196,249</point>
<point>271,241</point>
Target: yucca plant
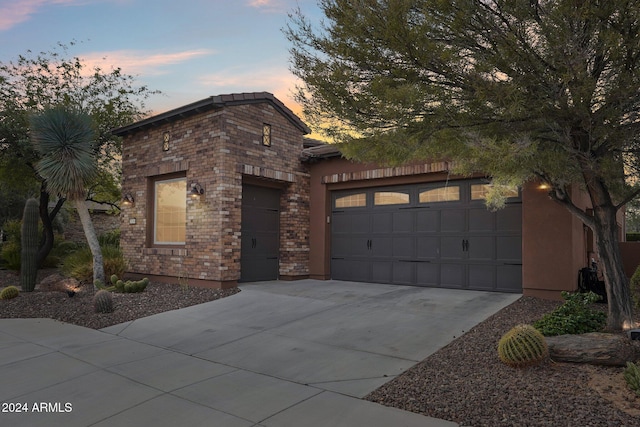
<point>64,137</point>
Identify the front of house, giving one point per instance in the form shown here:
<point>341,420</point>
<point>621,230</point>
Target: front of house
<point>228,190</point>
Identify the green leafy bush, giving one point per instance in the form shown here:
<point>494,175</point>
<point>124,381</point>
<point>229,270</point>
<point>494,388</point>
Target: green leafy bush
<point>79,264</point>
<point>110,238</point>
<point>632,377</point>
<point>10,253</point>
<point>575,316</point>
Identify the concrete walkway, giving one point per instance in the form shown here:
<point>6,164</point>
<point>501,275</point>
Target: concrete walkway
<point>277,354</point>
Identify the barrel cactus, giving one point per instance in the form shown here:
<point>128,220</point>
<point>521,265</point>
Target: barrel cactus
<point>103,301</point>
<point>9,292</point>
<point>29,245</point>
<point>523,346</point>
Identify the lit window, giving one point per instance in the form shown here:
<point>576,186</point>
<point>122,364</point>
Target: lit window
<point>479,191</point>
<point>390,198</point>
<point>352,201</point>
<point>441,194</point>
<point>170,211</point>
<point>266,135</point>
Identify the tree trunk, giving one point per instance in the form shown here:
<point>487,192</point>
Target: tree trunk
<point>595,348</point>
<point>620,315</point>
<point>92,240</point>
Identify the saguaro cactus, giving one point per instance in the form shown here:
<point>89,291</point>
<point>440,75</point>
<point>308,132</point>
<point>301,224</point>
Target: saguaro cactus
<point>29,245</point>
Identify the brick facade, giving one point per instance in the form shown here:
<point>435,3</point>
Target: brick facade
<point>218,144</point>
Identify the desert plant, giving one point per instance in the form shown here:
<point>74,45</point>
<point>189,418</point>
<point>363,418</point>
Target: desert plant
<point>103,301</point>
<point>110,238</point>
<point>9,292</point>
<point>574,316</point>
<point>79,264</point>
<point>632,377</point>
<point>29,245</point>
<point>522,346</point>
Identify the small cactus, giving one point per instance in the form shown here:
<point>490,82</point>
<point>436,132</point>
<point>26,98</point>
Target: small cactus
<point>103,301</point>
<point>114,279</point>
<point>522,346</point>
<point>9,292</point>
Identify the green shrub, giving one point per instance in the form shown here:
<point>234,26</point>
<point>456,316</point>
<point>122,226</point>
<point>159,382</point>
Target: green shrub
<point>9,292</point>
<point>10,255</point>
<point>632,377</point>
<point>110,238</point>
<point>575,316</point>
<point>10,252</point>
<point>79,264</point>
<point>522,346</point>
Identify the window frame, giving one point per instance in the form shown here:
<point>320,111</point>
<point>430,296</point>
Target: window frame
<point>153,212</point>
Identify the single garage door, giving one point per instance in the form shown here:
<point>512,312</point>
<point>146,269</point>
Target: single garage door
<point>436,234</point>
<point>260,233</point>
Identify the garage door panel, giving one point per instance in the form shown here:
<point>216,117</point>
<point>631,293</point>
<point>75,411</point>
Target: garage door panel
<point>452,275</point>
<point>427,247</point>
<point>357,223</point>
<point>509,249</point>
<point>481,248</point>
<point>481,220</point>
<point>351,269</point>
<point>452,248</point>
<point>382,272</point>
<point>381,247</point>
<point>403,246</point>
<point>452,220</point>
<point>403,222</point>
<point>509,218</point>
<point>404,273</point>
<point>382,222</point>
<point>509,278</point>
<point>427,274</point>
<point>427,221</point>
<point>350,246</point>
<point>482,277</point>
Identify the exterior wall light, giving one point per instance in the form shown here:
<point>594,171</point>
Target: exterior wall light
<point>196,191</point>
<point>127,200</point>
<point>544,186</point>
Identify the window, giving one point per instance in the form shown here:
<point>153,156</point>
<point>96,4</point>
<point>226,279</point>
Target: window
<point>170,202</point>
<point>479,191</point>
<point>390,198</point>
<point>351,201</point>
<point>266,135</point>
<point>441,194</point>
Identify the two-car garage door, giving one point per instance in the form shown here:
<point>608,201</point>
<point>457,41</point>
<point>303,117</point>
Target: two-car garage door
<point>438,234</point>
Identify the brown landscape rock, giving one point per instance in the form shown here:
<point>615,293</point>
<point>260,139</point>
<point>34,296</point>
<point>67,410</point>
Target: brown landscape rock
<point>594,348</point>
<point>58,283</point>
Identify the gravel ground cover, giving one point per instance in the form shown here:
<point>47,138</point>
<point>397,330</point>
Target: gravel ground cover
<point>463,382</point>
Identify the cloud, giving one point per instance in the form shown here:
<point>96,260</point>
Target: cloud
<point>137,62</point>
<point>13,13</point>
<point>268,5</point>
<point>277,80</point>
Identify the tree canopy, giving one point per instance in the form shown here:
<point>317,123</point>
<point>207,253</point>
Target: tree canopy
<point>520,90</point>
<point>34,82</point>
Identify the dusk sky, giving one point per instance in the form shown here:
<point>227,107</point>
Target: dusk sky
<point>188,49</point>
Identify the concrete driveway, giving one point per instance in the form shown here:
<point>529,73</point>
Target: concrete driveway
<point>276,354</point>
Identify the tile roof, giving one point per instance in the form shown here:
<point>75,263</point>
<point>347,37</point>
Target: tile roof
<point>214,102</point>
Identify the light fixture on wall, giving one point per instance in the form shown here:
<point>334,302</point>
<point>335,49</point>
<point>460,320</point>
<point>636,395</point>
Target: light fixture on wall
<point>196,191</point>
<point>127,200</point>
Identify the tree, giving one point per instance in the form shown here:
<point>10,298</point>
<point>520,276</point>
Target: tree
<point>33,82</point>
<point>542,90</point>
<point>64,138</point>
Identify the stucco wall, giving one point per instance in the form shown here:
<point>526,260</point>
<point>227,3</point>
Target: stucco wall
<point>217,149</point>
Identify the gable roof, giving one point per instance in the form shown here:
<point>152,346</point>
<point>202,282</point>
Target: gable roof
<point>211,103</point>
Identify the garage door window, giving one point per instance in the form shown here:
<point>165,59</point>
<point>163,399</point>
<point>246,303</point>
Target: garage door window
<point>441,194</point>
<point>390,198</point>
<point>479,191</point>
<point>352,201</point>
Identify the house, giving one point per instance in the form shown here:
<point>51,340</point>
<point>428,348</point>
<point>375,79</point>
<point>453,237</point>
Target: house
<point>228,190</point>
